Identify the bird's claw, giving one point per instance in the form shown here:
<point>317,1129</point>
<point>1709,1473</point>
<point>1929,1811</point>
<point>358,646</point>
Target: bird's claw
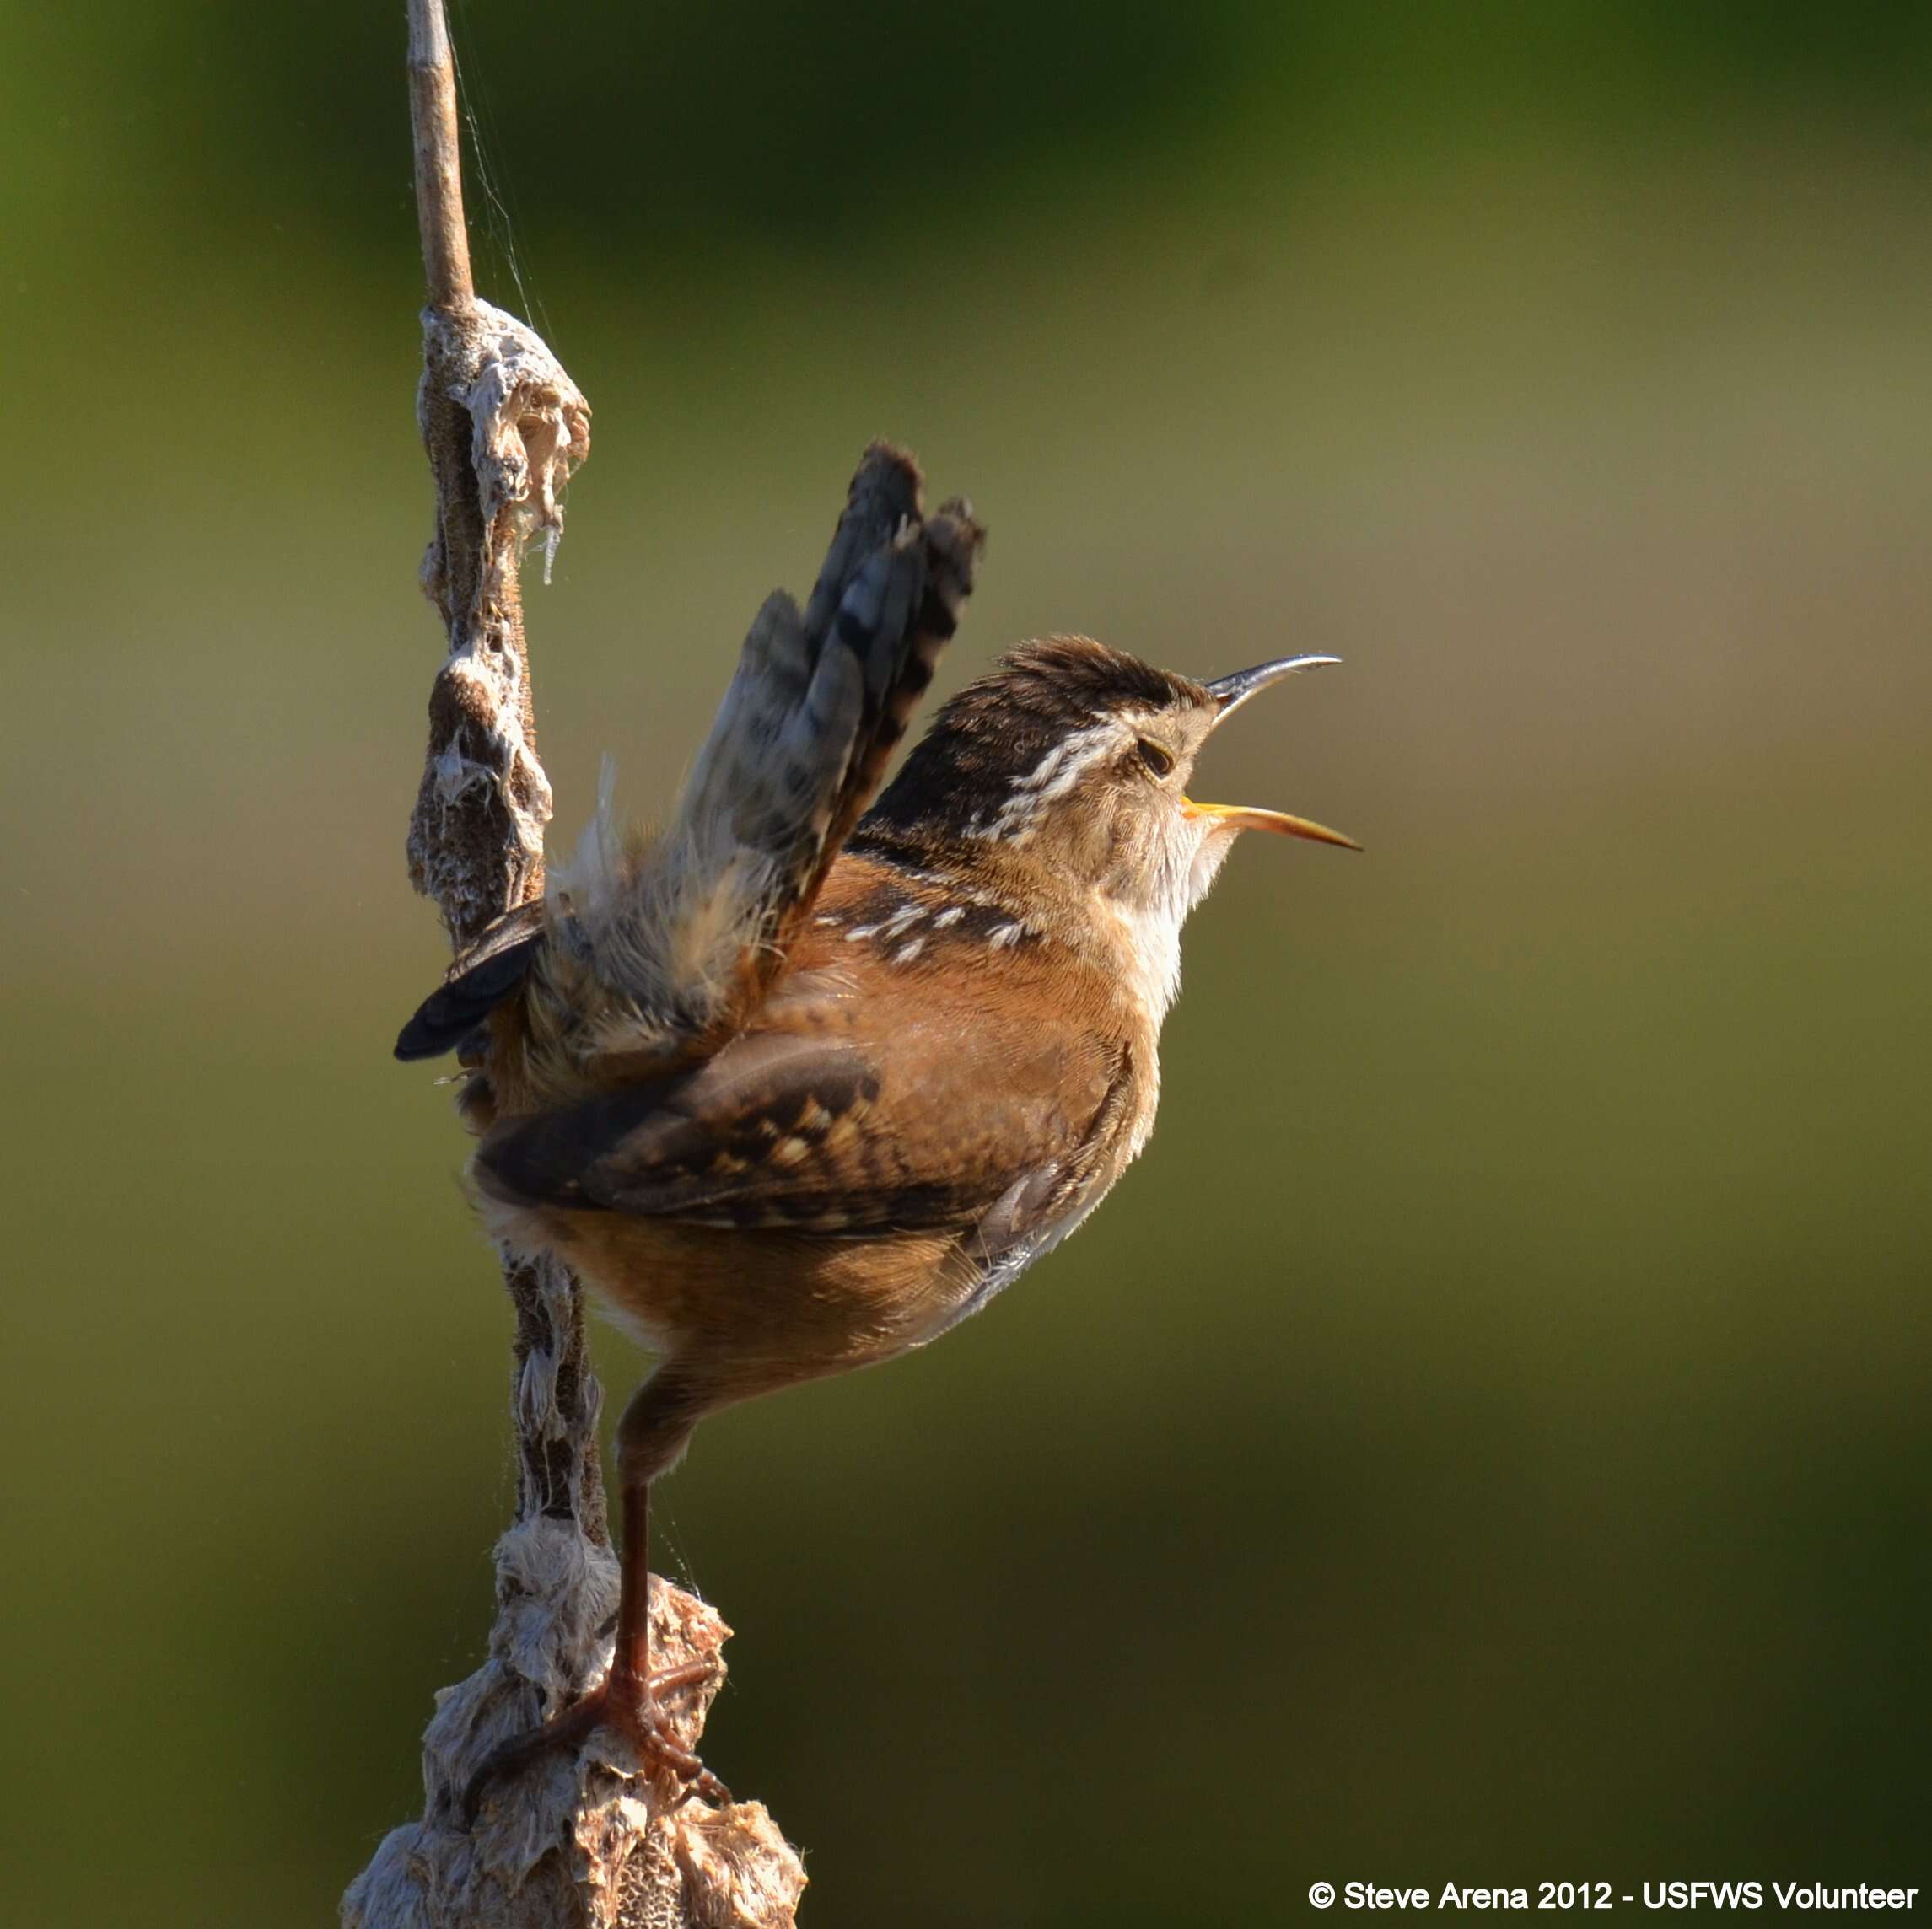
<point>630,1707</point>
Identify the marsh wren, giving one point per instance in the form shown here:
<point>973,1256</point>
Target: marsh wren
<point>795,1088</point>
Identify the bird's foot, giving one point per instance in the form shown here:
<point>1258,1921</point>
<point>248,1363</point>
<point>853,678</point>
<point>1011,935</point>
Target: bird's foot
<point>620,1701</point>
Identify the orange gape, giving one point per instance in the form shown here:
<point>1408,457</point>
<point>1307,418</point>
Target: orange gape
<point>796,1088</point>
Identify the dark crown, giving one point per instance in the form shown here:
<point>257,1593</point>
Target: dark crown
<point>1000,726</point>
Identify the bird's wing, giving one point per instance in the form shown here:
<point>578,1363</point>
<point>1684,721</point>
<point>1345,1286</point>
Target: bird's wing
<point>811,1126</point>
<point>684,939</point>
<point>481,976</point>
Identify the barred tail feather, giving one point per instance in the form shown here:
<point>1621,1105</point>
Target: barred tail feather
<point>685,934</point>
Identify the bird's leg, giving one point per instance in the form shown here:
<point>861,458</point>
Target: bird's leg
<point>630,1691</point>
<point>626,1699</point>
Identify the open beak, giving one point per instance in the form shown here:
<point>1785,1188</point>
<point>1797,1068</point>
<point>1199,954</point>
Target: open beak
<point>1241,817</point>
<point>1231,692</point>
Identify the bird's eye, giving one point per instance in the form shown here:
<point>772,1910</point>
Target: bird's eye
<point>1157,757</point>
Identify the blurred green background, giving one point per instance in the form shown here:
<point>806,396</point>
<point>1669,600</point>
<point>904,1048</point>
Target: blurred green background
<point>1487,1437</point>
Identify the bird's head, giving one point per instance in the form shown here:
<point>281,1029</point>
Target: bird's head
<point>1079,755</point>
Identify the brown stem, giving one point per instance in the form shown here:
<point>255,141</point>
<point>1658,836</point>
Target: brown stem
<point>504,426</point>
<point>439,157</point>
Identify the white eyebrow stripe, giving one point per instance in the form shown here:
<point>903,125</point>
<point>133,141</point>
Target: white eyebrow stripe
<point>1051,779</point>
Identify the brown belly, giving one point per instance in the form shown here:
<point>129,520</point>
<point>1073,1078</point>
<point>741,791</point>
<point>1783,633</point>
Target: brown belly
<point>762,1309</point>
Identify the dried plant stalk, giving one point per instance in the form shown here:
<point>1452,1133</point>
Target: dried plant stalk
<point>572,1842</point>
